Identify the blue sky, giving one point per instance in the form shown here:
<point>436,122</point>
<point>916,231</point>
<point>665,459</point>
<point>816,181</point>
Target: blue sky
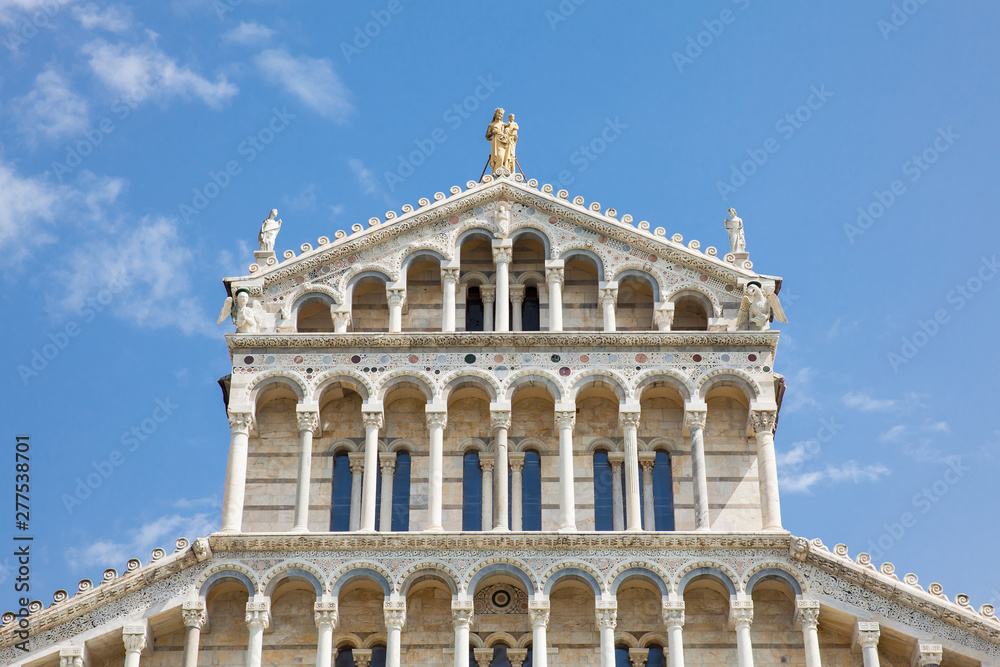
<point>141,145</point>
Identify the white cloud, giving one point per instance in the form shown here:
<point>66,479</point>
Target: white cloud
<point>144,268</point>
<point>850,471</point>
<point>10,9</point>
<point>51,109</point>
<point>800,483</point>
<point>115,18</point>
<point>365,176</point>
<point>27,206</point>
<point>161,532</point>
<point>865,403</point>
<point>894,434</point>
<point>798,395</point>
<point>140,72</point>
<point>305,199</point>
<point>247,33</point>
<point>798,454</point>
<point>312,80</point>
<point>336,210</point>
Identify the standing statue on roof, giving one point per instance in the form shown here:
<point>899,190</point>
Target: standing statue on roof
<point>734,225</point>
<point>503,139</point>
<point>269,231</point>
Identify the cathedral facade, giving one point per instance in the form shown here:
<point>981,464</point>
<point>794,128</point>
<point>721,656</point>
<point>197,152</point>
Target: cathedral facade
<point>503,428</point>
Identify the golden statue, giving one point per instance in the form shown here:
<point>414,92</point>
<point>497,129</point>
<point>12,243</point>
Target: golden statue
<point>503,140</point>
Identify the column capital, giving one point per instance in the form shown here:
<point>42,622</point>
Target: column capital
<point>806,613</point>
<point>517,656</point>
<point>307,420</point>
<point>565,418</point>
<point>502,253</point>
<point>341,318</point>
<point>740,613</point>
<point>395,613</point>
<point>538,610</point>
<point>638,656</point>
<point>461,613</point>
<point>695,418</point>
<point>628,418</point>
<point>866,634</point>
<point>395,295</point>
<point>516,461</point>
<point>927,655</point>
<point>134,637</point>
<point>436,418</point>
<point>607,614</point>
<point>647,460</point>
<point>71,656</point>
<point>763,421</point>
<point>499,419</point>
<point>609,292</point>
<point>516,293</point>
<point>387,461</point>
<point>362,657</point>
<point>258,614</point>
<point>616,459</point>
<point>486,464</point>
<point>357,462</point>
<point>449,274</point>
<point>664,316</point>
<point>673,614</point>
<point>194,614</point>
<point>488,293</point>
<point>554,274</point>
<point>484,656</point>
<point>372,419</point>
<point>240,422</point>
<point>326,614</point>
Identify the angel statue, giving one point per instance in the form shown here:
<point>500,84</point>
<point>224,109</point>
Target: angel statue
<point>734,225</point>
<point>269,231</point>
<point>247,317</point>
<point>758,305</point>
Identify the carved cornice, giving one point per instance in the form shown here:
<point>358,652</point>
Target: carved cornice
<point>535,339</point>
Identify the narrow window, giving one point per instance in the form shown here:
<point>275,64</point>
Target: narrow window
<point>401,493</point>
<point>531,492</point>
<point>663,492</point>
<point>602,492</point>
<point>530,320</point>
<point>472,493</point>
<point>340,506</point>
<point>473,309</point>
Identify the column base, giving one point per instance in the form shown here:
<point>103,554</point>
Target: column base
<point>299,530</point>
<point>433,529</point>
<point>500,529</point>
<point>567,529</point>
<point>229,531</point>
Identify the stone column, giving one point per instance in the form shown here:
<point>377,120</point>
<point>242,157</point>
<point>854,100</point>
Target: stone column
<point>866,637</point>
<point>554,271</point>
<point>629,420</point>
<point>695,421</point>
<point>516,508</point>
<point>565,419</point>
<point>326,617</point>
<point>608,298</point>
<point>436,421</point>
<point>927,655</point>
<point>664,316</point>
<point>647,460</point>
<point>71,657</point>
<point>308,421</point>
<point>194,617</point>
<point>487,466</point>
<point>500,423</point>
<point>638,656</point>
<point>502,252</point>
<point>396,297</point>
<point>461,615</point>
<point>517,656</point>
<point>449,279</point>
<point>357,463</point>
<point>538,610</point>
<point>240,424</point>
<point>387,462</point>
<point>616,459</point>
<point>341,320</point>
<point>673,618</point>
<point>516,303</point>
<point>607,619</point>
<point>258,618</point>
<point>373,422</point>
<point>488,292</point>
<point>134,637</point>
<point>807,618</point>
<point>740,618</point>
<point>362,657</point>
<point>763,422</point>
<point>395,619</point>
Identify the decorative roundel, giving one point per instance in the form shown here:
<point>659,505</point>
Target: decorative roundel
<point>500,598</point>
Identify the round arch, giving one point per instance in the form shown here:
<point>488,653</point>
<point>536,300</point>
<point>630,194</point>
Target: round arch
<point>729,377</point>
<point>575,572</point>
<point>296,571</point>
<point>529,444</point>
<point>532,231</point>
<point>425,570</point>
<point>504,638</point>
<point>592,377</point>
<point>360,275</point>
<point>533,377</point>
<point>589,254</point>
<point>389,381</point>
<point>713,307</point>
<point>472,377</point>
<point>417,253</point>
<point>358,382</point>
<point>473,233</point>
<point>638,572</point>
<point>640,275</point>
<point>227,572</point>
<point>361,572</point>
<point>678,381</point>
<point>495,566</point>
<point>713,571</point>
<point>290,378</point>
<point>772,571</point>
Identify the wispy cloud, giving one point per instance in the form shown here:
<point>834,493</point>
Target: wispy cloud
<point>50,109</point>
<point>11,9</point>
<point>865,403</point>
<point>247,33</point>
<point>799,395</point>
<point>312,80</point>
<point>849,471</point>
<point>365,176</point>
<point>798,454</point>
<point>303,200</point>
<point>160,532</point>
<point>116,18</point>
<point>129,70</point>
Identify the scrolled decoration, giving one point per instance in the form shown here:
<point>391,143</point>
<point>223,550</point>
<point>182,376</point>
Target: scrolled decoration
<point>888,569</point>
<point>59,596</point>
<point>323,240</point>
<point>962,600</point>
<point>533,182</point>
<point>694,245</point>
<point>306,247</point>
<point>711,251</point>
<point>254,268</point>
<point>110,573</point>
<point>661,232</point>
<point>594,206</point>
<point>35,606</point>
<point>987,610</point>
<point>677,238</point>
<point>747,264</point>
<point>627,218</point>
<point>578,200</point>
<point>356,227</point>
<point>562,194</point>
<point>390,215</point>
<point>181,544</point>
<point>438,196</point>
<point>815,542</point>
<point>864,558</point>
<point>911,579</point>
<point>289,254</point>
<point>644,225</point>
<point>936,589</point>
<point>84,585</point>
<point>488,178</point>
<point>518,178</point>
<point>133,564</point>
<point>841,550</point>
<point>455,190</point>
<point>424,201</point>
<point>8,617</point>
<point>339,234</point>
<point>547,188</point>
<point>729,258</point>
<point>372,222</point>
<point>407,208</point>
<point>158,553</point>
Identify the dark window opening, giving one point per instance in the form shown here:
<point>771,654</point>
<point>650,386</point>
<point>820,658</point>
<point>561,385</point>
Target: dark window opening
<point>474,309</point>
<point>530,317</point>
